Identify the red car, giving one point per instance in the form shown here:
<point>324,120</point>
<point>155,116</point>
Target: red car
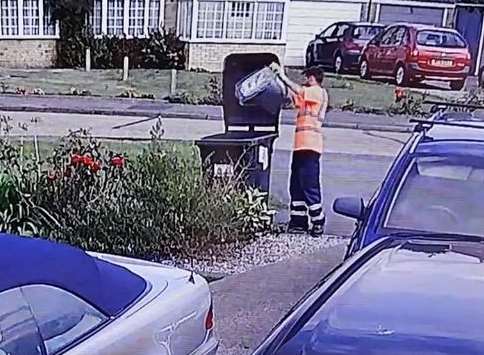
<point>412,53</point>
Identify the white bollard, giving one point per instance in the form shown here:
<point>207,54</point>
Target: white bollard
<point>173,82</point>
<point>125,68</point>
<point>88,59</point>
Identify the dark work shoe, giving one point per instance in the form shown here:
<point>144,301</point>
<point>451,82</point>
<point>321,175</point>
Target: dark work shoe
<point>297,230</point>
<point>318,230</point>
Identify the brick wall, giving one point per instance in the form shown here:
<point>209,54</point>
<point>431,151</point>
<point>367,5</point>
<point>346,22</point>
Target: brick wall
<point>211,56</point>
<point>27,53</point>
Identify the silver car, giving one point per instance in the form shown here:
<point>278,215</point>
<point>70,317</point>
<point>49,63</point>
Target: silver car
<point>56,299</point>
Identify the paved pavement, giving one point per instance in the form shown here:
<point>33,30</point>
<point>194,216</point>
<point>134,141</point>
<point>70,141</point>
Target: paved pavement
<point>147,108</point>
<point>248,305</point>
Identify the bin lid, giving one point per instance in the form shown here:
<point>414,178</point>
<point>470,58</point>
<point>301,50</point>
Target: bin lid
<point>236,67</point>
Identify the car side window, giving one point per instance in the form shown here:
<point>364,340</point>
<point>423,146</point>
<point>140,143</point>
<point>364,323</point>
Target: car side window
<point>399,36</point>
<point>387,37</point>
<point>62,317</point>
<point>19,334</point>
<point>340,31</point>
<point>329,32</point>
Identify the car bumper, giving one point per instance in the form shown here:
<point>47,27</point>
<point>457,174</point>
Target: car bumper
<point>210,347</point>
<point>351,59</point>
<point>418,73</point>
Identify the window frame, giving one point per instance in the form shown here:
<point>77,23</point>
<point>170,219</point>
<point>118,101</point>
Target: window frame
<point>147,18</point>
<point>194,38</point>
<point>42,16</point>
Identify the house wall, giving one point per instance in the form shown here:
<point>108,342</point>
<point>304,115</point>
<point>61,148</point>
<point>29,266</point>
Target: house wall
<point>27,53</point>
<point>211,56</point>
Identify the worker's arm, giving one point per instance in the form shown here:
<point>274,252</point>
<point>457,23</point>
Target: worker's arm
<point>324,106</point>
<point>295,88</point>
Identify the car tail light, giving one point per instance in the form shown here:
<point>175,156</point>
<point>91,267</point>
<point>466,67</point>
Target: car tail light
<point>209,320</point>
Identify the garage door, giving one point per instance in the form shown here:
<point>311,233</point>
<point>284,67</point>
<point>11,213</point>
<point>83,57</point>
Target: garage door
<point>308,18</point>
<point>416,14</point>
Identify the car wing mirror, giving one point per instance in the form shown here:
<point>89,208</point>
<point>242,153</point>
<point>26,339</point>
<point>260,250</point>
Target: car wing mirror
<point>352,207</point>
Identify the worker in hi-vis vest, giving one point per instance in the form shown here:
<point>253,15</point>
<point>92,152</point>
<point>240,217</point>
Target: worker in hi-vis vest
<point>311,101</point>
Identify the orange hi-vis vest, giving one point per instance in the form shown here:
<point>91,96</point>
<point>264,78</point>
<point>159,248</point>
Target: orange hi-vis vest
<point>311,105</point>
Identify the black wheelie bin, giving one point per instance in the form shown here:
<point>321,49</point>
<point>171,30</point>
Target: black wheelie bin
<point>251,123</point>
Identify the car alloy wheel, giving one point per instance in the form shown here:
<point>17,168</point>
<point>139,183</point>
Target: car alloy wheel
<point>338,64</point>
<point>401,76</point>
<point>364,70</point>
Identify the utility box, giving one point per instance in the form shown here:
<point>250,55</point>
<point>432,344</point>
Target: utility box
<point>251,118</point>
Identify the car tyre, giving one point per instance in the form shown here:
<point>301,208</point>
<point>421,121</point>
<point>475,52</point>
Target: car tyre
<point>401,76</point>
<point>338,64</point>
<point>457,85</point>
<point>365,69</point>
<point>309,58</point>
<point>481,78</point>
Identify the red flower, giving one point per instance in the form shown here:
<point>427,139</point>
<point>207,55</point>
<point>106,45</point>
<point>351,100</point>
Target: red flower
<point>87,161</point>
<point>399,94</point>
<point>95,166</point>
<point>76,159</point>
<point>118,161</point>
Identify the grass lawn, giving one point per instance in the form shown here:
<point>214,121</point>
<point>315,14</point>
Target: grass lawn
<point>378,95</point>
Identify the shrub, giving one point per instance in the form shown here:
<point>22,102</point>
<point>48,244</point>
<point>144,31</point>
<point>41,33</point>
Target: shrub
<point>161,50</point>
<point>154,205</point>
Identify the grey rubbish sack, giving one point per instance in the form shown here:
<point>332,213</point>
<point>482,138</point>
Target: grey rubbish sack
<point>263,89</point>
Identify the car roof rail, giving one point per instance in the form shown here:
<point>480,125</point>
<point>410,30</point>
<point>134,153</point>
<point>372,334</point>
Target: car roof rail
<point>423,125</point>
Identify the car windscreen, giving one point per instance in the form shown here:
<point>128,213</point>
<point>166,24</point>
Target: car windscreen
<point>440,194</point>
<point>366,32</point>
<point>443,39</point>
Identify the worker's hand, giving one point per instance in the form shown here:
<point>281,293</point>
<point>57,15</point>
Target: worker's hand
<point>276,68</point>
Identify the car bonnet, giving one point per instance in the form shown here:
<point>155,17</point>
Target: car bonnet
<point>413,297</point>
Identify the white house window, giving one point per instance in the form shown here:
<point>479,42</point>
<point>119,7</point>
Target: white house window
<point>210,19</point>
<point>115,17</point>
<point>31,17</point>
<point>136,17</point>
<point>49,25</point>
<point>184,22</point>
<point>9,20</point>
<point>235,20</point>
<point>96,17</point>
<point>269,20</point>
<point>26,19</point>
<point>240,20</point>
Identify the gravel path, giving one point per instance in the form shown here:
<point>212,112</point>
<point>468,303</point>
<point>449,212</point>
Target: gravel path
<point>262,251</point>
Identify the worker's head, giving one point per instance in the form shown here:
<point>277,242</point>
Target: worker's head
<point>314,76</point>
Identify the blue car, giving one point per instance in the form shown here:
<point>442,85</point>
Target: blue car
<point>413,279</point>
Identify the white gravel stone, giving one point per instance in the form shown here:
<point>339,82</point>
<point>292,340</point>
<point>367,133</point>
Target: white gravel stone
<point>233,259</point>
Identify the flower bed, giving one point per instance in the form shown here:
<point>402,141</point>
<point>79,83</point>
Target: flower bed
<point>155,204</point>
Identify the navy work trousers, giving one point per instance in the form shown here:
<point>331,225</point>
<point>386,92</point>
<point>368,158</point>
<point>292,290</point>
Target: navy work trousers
<point>305,189</point>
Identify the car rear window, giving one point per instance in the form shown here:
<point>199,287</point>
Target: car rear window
<point>432,38</point>
<point>366,32</point>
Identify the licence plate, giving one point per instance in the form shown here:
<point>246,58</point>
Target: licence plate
<point>441,62</point>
